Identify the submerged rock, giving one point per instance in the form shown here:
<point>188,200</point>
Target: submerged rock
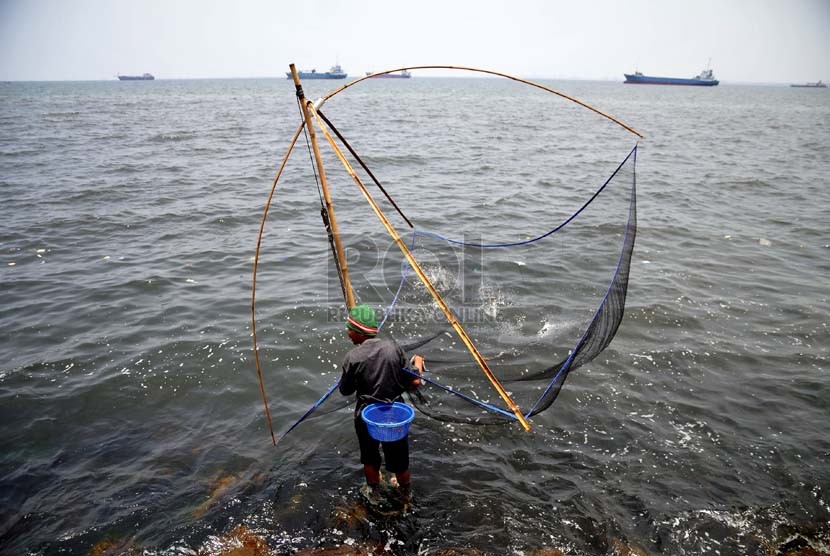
<point>350,516</point>
<point>115,547</point>
<point>799,546</point>
<point>345,550</point>
<point>623,548</point>
<point>218,488</point>
<point>548,552</point>
<point>458,551</point>
<point>240,541</point>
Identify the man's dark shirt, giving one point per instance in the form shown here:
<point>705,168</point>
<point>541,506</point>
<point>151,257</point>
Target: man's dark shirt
<point>374,370</point>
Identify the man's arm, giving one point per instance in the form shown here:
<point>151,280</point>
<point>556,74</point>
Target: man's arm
<point>347,381</point>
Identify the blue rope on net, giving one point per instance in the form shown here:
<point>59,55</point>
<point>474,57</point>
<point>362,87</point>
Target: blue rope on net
<point>470,399</point>
<point>311,410</point>
<point>565,368</point>
<point>537,238</point>
<point>404,273</point>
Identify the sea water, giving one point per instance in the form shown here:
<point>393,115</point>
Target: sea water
<point>131,414</point>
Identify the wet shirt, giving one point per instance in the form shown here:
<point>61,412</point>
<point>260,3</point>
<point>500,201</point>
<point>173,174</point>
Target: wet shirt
<point>374,370</point>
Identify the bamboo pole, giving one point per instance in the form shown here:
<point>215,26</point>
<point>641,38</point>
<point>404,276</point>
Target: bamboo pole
<point>253,280</point>
<point>422,275</point>
<point>496,73</point>
<point>338,246</point>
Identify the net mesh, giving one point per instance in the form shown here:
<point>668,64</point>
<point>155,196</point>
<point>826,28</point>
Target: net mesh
<point>539,300</point>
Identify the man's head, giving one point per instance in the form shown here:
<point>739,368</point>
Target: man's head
<point>361,324</point>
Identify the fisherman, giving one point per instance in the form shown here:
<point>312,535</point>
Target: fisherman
<point>374,369</point>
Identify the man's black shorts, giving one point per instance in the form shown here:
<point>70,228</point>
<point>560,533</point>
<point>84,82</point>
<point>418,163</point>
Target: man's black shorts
<point>396,453</point>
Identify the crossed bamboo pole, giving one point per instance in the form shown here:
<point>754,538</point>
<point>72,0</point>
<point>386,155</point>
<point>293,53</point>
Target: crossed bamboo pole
<point>343,269</point>
<point>421,274</point>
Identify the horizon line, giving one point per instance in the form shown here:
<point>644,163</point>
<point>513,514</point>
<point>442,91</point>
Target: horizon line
<point>346,80</point>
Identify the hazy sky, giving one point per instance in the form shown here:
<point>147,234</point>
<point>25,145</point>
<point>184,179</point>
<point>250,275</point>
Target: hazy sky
<point>747,40</point>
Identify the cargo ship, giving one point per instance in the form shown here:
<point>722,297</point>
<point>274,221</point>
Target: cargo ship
<point>705,79</point>
<point>403,74</point>
<point>336,72</point>
<point>145,77</point>
<point>817,85</point>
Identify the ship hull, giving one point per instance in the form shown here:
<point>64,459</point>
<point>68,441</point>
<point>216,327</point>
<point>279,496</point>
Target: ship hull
<point>315,75</point>
<point>648,80</point>
<point>406,75</point>
<point>135,78</point>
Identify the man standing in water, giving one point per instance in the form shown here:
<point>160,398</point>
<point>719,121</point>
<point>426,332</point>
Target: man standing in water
<point>374,369</point>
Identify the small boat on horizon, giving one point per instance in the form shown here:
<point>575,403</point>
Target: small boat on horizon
<point>817,85</point>
<point>704,79</point>
<point>403,74</point>
<point>144,77</point>
<point>336,72</point>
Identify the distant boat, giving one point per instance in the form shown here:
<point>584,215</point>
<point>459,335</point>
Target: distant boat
<point>336,72</point>
<point>145,77</point>
<point>403,74</point>
<point>817,85</point>
<point>705,79</point>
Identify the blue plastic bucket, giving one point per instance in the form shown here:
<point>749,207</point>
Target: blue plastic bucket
<point>388,422</point>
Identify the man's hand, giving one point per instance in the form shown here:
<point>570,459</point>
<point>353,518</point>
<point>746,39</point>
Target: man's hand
<point>418,362</point>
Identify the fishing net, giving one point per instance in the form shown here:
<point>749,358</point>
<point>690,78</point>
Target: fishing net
<point>538,304</point>
<point>531,259</point>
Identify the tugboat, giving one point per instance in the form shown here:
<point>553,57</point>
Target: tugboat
<point>704,79</point>
<point>817,85</point>
<point>336,72</point>
<point>145,77</point>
